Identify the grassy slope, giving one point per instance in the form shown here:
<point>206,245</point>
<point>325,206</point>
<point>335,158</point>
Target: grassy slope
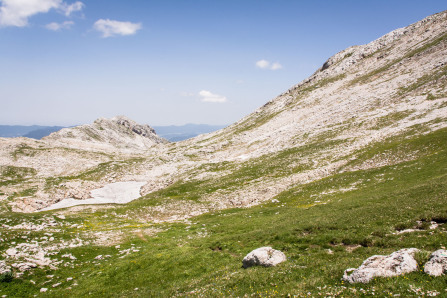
<point>205,259</point>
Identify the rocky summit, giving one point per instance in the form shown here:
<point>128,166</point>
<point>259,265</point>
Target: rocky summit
<point>348,163</point>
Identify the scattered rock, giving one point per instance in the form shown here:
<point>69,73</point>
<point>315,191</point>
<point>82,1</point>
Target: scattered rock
<point>263,256</point>
<point>437,265</point>
<point>43,290</point>
<point>397,263</point>
<point>4,269</point>
<point>56,284</point>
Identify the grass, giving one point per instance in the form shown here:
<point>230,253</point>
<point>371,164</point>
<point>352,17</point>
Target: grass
<point>15,175</point>
<point>203,258</point>
<point>439,75</point>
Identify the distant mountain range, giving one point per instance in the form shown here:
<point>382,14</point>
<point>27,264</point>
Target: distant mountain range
<point>172,133</point>
<point>33,131</point>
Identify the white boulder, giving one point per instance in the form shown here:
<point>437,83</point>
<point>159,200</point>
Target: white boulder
<point>437,265</point>
<point>263,256</point>
<point>397,263</point>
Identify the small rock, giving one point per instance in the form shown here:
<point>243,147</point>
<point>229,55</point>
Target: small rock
<point>437,265</point>
<point>11,252</point>
<point>56,285</point>
<point>69,278</point>
<point>4,269</point>
<point>43,290</point>
<point>100,257</point>
<point>397,263</point>
<point>263,256</point>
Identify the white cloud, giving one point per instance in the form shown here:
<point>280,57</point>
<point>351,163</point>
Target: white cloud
<point>110,28</point>
<point>59,26</point>
<point>276,66</point>
<point>207,96</point>
<point>264,64</point>
<point>16,12</point>
<point>68,9</point>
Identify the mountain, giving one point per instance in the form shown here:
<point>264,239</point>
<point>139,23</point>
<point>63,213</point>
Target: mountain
<point>172,133</point>
<point>175,133</point>
<point>346,164</point>
<point>42,132</point>
<point>34,131</point>
<point>118,132</point>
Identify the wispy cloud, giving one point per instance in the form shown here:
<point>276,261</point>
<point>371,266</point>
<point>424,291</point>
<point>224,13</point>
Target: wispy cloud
<point>110,28</point>
<point>264,64</point>
<point>59,26</point>
<point>276,66</point>
<point>207,96</point>
<point>16,12</point>
<point>68,9</point>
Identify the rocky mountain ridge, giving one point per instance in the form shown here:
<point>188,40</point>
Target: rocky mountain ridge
<point>119,132</point>
<point>364,95</point>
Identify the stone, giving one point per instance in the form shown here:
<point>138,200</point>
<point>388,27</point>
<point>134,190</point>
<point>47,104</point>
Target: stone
<point>263,256</point>
<point>43,290</point>
<point>397,263</point>
<point>4,269</point>
<point>437,265</point>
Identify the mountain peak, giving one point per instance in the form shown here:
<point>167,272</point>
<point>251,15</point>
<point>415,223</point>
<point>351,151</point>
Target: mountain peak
<point>118,132</point>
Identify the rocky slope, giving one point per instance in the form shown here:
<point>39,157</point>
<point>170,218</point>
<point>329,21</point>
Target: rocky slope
<point>103,134</point>
<point>393,87</point>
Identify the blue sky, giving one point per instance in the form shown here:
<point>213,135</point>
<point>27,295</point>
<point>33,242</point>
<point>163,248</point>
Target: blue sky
<point>65,62</point>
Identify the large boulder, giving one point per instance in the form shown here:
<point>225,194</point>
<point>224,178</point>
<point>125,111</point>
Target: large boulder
<point>263,256</point>
<point>397,263</point>
<point>437,265</point>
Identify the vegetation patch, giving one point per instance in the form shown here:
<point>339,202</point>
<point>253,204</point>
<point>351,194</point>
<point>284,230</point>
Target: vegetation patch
<point>367,77</point>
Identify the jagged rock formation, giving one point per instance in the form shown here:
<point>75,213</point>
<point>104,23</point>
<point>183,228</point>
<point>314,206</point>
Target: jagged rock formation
<point>392,87</point>
<point>120,132</point>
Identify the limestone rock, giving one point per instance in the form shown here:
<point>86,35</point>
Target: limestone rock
<point>437,265</point>
<point>263,256</point>
<point>399,262</point>
<point>4,269</point>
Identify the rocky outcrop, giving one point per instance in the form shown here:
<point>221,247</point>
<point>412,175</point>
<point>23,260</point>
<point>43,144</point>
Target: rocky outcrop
<point>263,256</point>
<point>437,265</point>
<point>397,263</point>
<point>118,132</point>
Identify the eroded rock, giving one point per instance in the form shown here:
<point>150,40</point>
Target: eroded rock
<point>437,265</point>
<point>397,263</point>
<point>263,256</point>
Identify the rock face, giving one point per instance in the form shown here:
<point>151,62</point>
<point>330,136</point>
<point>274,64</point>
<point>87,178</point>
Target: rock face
<point>118,132</point>
<point>437,265</point>
<point>263,256</point>
<point>399,262</point>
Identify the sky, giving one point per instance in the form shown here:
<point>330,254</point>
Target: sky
<point>171,62</point>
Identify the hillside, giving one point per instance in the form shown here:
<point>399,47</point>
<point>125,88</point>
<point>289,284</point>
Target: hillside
<point>332,171</point>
